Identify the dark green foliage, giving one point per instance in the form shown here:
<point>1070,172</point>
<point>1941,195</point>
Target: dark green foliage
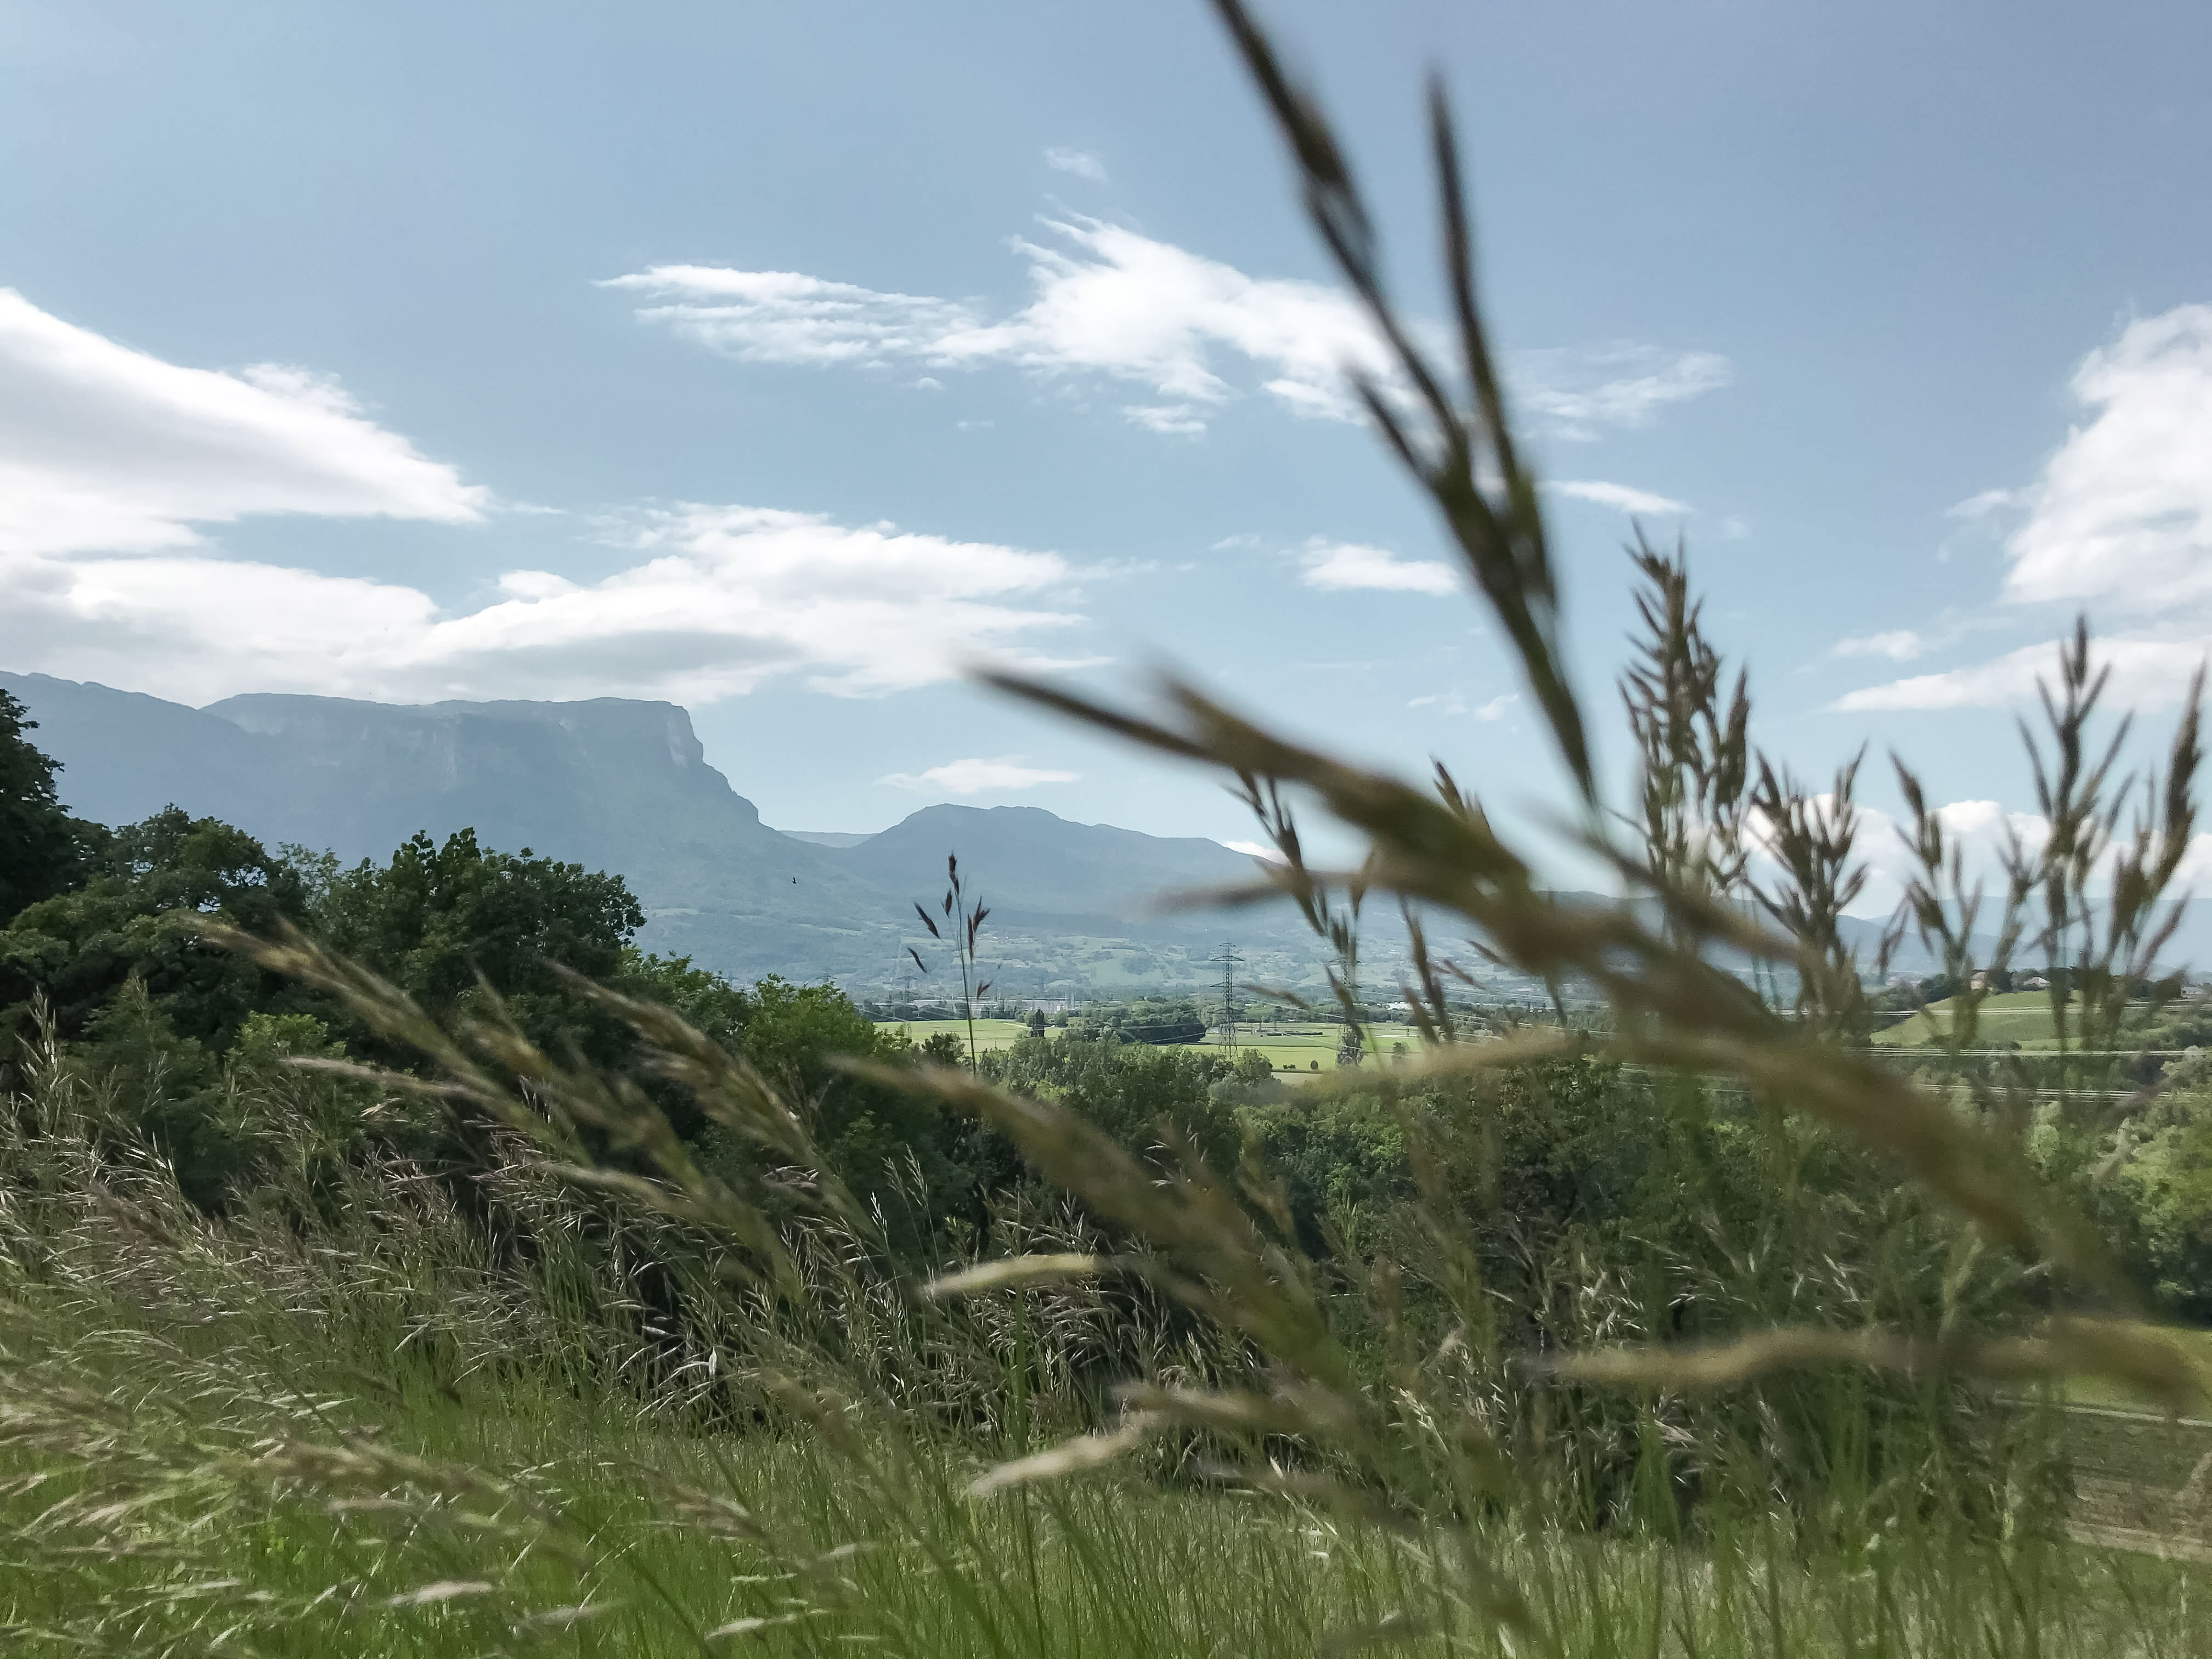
<point>1149,1019</point>
<point>138,918</point>
<point>447,923</point>
<point>709,1002</point>
<point>43,850</point>
<point>125,973</point>
<point>1130,1089</point>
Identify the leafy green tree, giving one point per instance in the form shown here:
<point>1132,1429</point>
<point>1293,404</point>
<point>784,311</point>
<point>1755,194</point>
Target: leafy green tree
<point>446,923</point>
<point>138,918</point>
<point>797,1034</point>
<point>43,850</point>
<point>141,997</point>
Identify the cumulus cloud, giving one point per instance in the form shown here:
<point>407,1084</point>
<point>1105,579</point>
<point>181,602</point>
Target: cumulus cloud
<point>2121,519</point>
<point>720,600</point>
<point>1981,831</point>
<point>975,777</point>
<point>1198,334</point>
<point>1336,566</point>
<point>107,449</point>
<point>2122,514</point>
<point>1080,162</point>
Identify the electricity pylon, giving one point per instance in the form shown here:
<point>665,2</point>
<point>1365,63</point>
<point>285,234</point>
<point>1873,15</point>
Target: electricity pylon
<point>1229,961</point>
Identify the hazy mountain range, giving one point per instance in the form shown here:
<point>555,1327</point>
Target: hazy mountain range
<point>621,785</point>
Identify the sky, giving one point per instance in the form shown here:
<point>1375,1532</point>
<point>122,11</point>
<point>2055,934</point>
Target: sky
<point>778,360</point>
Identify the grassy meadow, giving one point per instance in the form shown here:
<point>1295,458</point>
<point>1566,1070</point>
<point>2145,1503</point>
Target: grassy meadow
<point>380,1434</point>
<point>2021,1017</point>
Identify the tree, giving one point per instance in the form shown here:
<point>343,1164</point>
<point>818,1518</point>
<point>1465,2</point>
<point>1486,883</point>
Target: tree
<point>446,923</point>
<point>138,918</point>
<point>143,998</point>
<point>43,850</point>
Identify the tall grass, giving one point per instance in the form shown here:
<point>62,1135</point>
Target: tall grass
<point>377,1433</point>
<point>607,1397</point>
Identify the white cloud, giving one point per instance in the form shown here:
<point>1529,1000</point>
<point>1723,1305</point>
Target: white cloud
<point>1258,850</point>
<point>106,449</point>
<point>1334,565</point>
<point>721,599</point>
<point>2120,518</point>
<point>974,777</point>
<point>2146,673</point>
<point>1174,420</point>
<point>1578,390</point>
<point>1899,645</point>
<point>1080,162</point>
<point>1622,498</point>
<point>2122,514</point>
<point>1979,506</point>
<point>1110,301</point>
<point>1456,702</point>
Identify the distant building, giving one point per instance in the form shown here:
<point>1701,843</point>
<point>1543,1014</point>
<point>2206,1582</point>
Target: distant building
<point>1053,1005</point>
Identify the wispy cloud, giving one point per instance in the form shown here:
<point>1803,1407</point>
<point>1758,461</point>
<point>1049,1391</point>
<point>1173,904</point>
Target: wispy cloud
<point>1622,498</point>
<point>977,776</point>
<point>1197,333</point>
<point>1456,702</point>
<point>106,449</point>
<point>721,600</point>
<point>1336,566</point>
<point>1899,645</point>
<point>1080,162</point>
<point>2146,673</point>
<point>1978,507</point>
<point>1578,391</point>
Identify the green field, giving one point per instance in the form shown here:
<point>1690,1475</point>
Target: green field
<point>1290,1047</point>
<point>2021,1017</point>
<point>989,1033</point>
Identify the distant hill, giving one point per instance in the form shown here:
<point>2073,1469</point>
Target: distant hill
<point>623,784</point>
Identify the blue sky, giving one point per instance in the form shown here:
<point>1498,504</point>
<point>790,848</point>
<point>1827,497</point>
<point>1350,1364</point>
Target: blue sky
<point>770,358</point>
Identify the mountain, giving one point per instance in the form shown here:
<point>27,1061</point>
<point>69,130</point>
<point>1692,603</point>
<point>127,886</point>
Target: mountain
<point>1035,862</point>
<point>623,784</point>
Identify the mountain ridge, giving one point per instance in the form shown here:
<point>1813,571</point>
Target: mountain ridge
<point>624,784</point>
